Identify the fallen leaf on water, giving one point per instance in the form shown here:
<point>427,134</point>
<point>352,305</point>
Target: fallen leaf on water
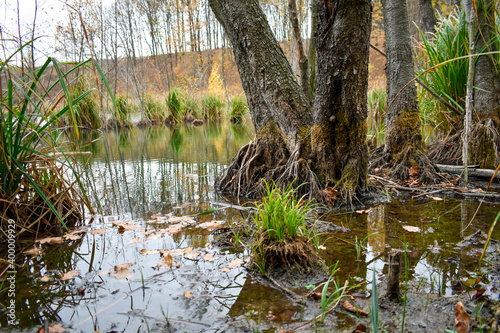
<point>56,328</point>
<point>461,318</point>
<point>146,252</point>
<point>187,294</point>
<point>123,226</point>
<point>435,198</point>
<point>225,269</point>
<point>235,263</point>
<point>50,240</point>
<point>76,232</point>
<point>211,225</point>
<point>351,308</point>
<point>167,259</point>
<point>192,255</point>
<point>414,170</point>
<point>123,267</point>
<point>478,293</point>
<point>45,278</point>
<point>34,251</point>
<point>271,316</point>
<point>105,272</point>
<point>364,211</point>
<point>176,252</point>
<point>135,240</point>
<point>209,257</point>
<point>71,237</point>
<point>69,275</point>
<point>98,231</point>
<point>411,229</point>
<point>122,273</point>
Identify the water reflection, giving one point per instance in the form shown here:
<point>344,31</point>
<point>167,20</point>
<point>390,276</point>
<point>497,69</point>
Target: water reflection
<point>135,174</point>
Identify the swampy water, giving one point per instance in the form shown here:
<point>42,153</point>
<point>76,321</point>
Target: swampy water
<point>147,262</point>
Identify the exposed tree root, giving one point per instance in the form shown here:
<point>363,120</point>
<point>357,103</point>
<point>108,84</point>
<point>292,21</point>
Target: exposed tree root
<point>254,164</point>
<point>398,166</point>
<point>484,148</point>
<point>447,151</point>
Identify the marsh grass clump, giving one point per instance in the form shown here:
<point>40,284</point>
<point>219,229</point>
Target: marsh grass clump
<point>213,107</point>
<point>175,105</point>
<point>283,239</point>
<point>239,109</point>
<point>40,188</point>
<point>377,104</point>
<point>86,110</point>
<point>155,110</point>
<point>123,107</point>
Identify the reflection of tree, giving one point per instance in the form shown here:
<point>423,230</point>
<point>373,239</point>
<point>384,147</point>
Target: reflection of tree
<point>261,299</point>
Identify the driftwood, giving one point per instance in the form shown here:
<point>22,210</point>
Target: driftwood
<point>472,170</point>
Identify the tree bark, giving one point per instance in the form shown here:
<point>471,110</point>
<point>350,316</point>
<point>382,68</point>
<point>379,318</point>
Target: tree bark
<point>485,142</point>
<point>340,105</point>
<point>321,145</point>
<point>428,18</point>
<point>404,147</point>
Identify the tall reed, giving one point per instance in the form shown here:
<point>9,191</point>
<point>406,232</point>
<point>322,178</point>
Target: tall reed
<point>40,188</point>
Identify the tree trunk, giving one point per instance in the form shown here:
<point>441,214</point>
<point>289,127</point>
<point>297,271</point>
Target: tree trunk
<point>280,112</point>
<point>404,147</point>
<point>485,142</point>
<point>289,147</point>
<point>340,106</point>
<point>427,15</point>
<point>312,46</point>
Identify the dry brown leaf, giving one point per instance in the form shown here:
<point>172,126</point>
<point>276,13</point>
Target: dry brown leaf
<point>411,229</point>
<point>192,255</point>
<point>50,240</point>
<point>56,328</point>
<point>360,329</point>
<point>414,170</point>
<point>225,269</point>
<point>330,194</point>
<point>235,263</point>
<point>98,231</point>
<point>435,198</point>
<point>123,226</point>
<point>135,240</point>
<point>76,232</point>
<point>45,278</point>
<point>211,225</point>
<point>154,236</point>
<point>187,294</point>
<point>209,257</point>
<point>34,251</point>
<point>168,260</point>
<point>364,211</point>
<point>69,275</point>
<point>105,272</point>
<point>461,318</point>
<point>122,273</point>
<point>351,308</point>
<point>176,252</point>
<point>123,267</point>
<point>146,252</point>
<point>71,237</point>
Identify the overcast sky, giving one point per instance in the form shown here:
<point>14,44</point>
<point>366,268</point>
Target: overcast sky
<point>50,13</point>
